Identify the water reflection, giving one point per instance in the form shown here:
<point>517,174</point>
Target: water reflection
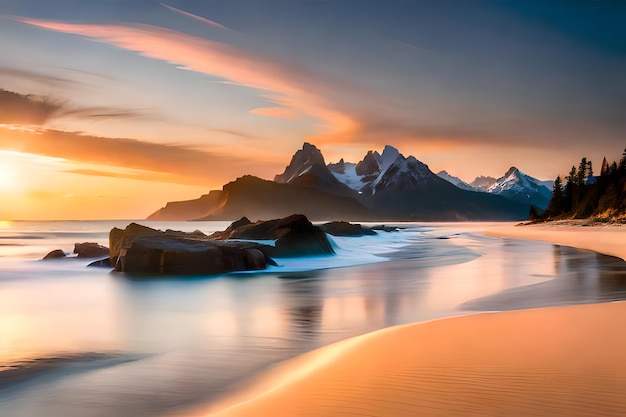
<point>302,295</point>
<point>579,277</point>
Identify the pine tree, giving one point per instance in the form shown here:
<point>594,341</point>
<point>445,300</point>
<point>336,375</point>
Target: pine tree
<point>557,203</point>
<point>613,168</point>
<point>605,167</point>
<point>570,186</point>
<point>582,172</point>
<point>589,169</point>
<point>622,162</point>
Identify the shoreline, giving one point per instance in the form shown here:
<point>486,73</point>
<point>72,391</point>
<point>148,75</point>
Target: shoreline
<point>524,362</point>
<point>604,239</point>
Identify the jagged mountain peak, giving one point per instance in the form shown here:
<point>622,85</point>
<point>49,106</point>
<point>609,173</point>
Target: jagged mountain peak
<point>388,157</point>
<point>456,181</point>
<point>301,161</point>
<point>483,182</point>
<point>511,171</point>
<point>518,186</point>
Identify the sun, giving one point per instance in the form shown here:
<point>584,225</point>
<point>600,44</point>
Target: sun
<point>8,172</point>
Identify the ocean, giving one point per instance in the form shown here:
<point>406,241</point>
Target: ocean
<point>87,342</point>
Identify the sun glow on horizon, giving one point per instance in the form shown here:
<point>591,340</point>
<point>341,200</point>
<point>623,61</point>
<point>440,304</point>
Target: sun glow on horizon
<point>9,178</point>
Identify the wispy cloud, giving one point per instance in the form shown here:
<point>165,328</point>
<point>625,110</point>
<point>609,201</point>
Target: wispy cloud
<point>35,76</point>
<point>275,112</point>
<point>27,109</point>
<point>162,162</point>
<point>288,85</point>
<point>196,17</point>
<point>30,109</point>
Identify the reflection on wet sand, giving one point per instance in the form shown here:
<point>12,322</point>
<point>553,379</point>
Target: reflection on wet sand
<point>580,277</point>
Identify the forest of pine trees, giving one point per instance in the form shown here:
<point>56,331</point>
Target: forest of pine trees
<point>583,195</point>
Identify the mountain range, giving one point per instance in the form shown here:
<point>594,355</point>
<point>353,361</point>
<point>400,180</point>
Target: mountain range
<point>382,186</point>
<point>514,185</point>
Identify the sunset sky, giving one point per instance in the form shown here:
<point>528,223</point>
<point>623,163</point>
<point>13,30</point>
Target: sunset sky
<point>111,108</point>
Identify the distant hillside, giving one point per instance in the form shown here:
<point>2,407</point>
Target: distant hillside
<point>256,199</point>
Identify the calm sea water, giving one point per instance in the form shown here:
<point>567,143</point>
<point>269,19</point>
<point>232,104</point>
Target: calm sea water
<point>85,342</point>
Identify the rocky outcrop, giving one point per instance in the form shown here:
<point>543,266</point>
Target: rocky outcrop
<point>294,235</point>
<point>141,250</point>
<point>346,229</point>
<point>368,166</point>
<point>55,254</point>
<point>90,250</point>
<point>171,254</point>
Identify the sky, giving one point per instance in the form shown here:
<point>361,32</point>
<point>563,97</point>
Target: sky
<point>111,108</point>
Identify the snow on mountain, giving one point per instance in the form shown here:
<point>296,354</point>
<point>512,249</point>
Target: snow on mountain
<point>517,186</point>
<point>456,181</point>
<point>401,175</point>
<point>388,157</point>
<point>389,171</point>
<point>483,183</point>
<point>307,168</point>
<point>345,172</point>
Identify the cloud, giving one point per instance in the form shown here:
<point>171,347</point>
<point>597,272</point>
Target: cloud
<point>30,109</point>
<point>27,109</point>
<point>36,77</point>
<point>275,112</point>
<point>137,175</point>
<point>195,16</point>
<point>162,162</point>
<point>283,83</point>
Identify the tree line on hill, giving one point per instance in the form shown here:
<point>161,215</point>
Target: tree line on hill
<point>584,195</point>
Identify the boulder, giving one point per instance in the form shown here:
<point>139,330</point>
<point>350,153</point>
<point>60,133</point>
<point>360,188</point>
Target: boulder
<point>294,236</point>
<point>172,254</point>
<point>55,254</point>
<point>90,250</point>
<point>121,238</point>
<point>346,229</point>
<point>143,250</point>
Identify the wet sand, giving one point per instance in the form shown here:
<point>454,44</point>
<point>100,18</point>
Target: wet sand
<point>605,239</point>
<point>542,362</point>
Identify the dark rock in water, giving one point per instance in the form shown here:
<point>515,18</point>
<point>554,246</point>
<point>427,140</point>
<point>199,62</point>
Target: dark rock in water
<point>169,254</point>
<point>346,229</point>
<point>384,228</point>
<point>55,254</point>
<point>294,235</point>
<point>90,250</point>
<point>121,238</point>
<point>142,250</point>
<point>102,263</point>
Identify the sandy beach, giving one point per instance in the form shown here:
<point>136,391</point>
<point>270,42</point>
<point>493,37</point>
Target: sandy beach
<point>605,239</point>
<point>539,362</point>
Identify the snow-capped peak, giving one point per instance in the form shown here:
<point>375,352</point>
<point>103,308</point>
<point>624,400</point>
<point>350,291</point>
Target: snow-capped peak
<point>456,181</point>
<point>521,187</point>
<point>388,157</point>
